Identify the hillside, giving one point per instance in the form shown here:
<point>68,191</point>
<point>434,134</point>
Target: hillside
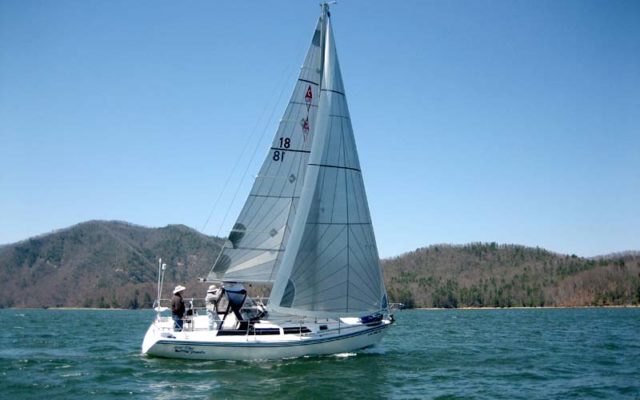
<point>491,275</point>
<point>101,264</point>
<point>114,264</point>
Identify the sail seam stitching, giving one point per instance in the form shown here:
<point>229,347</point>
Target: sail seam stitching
<point>257,249</point>
<point>307,81</point>
<point>338,223</point>
<point>331,90</point>
<point>294,150</point>
<point>335,166</point>
<point>274,197</point>
<point>299,103</point>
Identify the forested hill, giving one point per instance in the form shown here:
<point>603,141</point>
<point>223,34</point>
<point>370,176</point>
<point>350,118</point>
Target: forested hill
<point>114,264</point>
<point>491,275</point>
<point>102,264</point>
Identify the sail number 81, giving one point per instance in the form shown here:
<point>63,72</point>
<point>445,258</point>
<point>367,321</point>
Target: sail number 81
<point>278,155</point>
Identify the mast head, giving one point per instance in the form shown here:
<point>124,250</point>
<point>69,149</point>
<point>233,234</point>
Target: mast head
<point>325,7</point>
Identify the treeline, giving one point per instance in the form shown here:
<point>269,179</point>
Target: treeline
<point>103,264</point>
<point>491,275</point>
<point>111,264</point>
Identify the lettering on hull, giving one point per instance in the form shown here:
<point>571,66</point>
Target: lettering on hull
<point>187,350</point>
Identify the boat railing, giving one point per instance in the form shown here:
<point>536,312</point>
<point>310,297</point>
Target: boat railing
<point>195,307</point>
<point>198,307</point>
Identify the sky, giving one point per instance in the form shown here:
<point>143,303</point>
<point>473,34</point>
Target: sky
<point>476,121</point>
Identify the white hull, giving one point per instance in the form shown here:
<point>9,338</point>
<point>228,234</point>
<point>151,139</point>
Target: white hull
<point>204,344</point>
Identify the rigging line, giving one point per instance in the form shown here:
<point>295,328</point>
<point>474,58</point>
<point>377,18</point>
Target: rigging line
<point>255,150</point>
<point>235,166</point>
<point>257,212</point>
<point>283,166</point>
<point>283,85</point>
<point>288,73</point>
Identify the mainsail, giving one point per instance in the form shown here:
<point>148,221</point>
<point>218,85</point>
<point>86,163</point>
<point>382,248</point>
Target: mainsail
<point>331,265</point>
<point>259,237</point>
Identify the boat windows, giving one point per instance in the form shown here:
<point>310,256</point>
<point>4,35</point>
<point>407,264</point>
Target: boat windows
<point>241,332</point>
<point>296,330</point>
<point>267,331</point>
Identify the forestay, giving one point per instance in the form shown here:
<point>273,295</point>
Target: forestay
<point>259,236</point>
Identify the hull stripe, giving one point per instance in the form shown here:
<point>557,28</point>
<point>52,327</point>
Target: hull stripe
<point>266,344</point>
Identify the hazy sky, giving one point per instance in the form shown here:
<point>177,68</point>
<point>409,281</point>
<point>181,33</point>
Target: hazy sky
<point>506,121</point>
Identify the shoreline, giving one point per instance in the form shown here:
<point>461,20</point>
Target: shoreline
<point>405,309</point>
<point>522,308</point>
<point>74,308</point>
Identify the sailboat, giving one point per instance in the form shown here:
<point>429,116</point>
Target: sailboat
<point>305,230</point>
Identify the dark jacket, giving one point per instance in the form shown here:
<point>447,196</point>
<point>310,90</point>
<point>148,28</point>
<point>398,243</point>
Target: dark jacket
<point>177,305</point>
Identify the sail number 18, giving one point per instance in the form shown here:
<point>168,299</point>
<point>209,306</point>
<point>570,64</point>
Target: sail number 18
<point>278,155</point>
<point>285,143</point>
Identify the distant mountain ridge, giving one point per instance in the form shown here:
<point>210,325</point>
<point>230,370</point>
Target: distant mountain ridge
<point>114,264</point>
<point>101,264</point>
<point>492,275</point>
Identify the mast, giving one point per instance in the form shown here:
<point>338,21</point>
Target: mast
<point>331,266</point>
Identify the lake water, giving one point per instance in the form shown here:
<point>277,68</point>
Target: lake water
<point>490,354</point>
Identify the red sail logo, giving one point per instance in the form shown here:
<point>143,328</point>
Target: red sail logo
<point>309,96</point>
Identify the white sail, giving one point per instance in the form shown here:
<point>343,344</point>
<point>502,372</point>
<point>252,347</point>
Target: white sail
<point>331,266</point>
<point>259,236</point>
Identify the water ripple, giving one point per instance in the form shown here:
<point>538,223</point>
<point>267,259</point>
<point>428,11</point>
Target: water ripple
<point>483,354</point>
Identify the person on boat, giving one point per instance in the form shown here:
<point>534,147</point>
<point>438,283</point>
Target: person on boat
<point>213,295</point>
<point>177,308</point>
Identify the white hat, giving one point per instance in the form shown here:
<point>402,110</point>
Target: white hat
<point>179,289</point>
<point>212,288</point>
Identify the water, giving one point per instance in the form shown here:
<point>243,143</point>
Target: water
<point>491,354</point>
